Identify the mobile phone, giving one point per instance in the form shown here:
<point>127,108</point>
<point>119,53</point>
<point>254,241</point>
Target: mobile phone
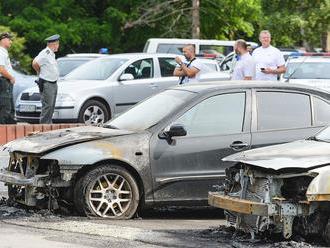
<point>262,69</point>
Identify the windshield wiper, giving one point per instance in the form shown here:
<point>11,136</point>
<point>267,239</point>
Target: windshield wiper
<point>289,77</point>
<point>314,138</point>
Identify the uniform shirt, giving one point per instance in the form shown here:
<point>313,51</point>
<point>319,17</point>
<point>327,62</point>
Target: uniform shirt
<point>244,67</point>
<point>269,57</point>
<point>4,60</point>
<point>48,65</point>
<point>200,66</point>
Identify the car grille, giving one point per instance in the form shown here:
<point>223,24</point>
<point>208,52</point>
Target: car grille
<point>28,114</point>
<point>33,97</point>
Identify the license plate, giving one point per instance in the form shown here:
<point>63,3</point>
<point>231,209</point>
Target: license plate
<point>27,108</point>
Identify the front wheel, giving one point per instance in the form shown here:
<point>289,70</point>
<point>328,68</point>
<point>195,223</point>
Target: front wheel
<point>93,112</point>
<point>108,191</point>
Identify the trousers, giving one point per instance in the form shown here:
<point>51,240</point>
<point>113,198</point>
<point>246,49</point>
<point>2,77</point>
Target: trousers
<point>48,99</point>
<point>7,111</point>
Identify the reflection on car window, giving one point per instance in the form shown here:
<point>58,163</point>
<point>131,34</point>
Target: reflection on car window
<point>222,114</point>
<point>170,48</point>
<point>141,69</point>
<point>99,69</point>
<point>151,111</point>
<point>321,111</point>
<point>308,70</point>
<point>324,135</point>
<point>218,50</point>
<point>280,110</point>
<point>167,66</point>
<point>67,65</point>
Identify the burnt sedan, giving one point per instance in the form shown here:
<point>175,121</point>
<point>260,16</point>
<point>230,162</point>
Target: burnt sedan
<point>280,189</point>
<point>164,150</point>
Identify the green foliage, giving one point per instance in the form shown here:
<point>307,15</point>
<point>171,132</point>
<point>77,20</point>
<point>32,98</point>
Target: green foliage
<point>124,26</point>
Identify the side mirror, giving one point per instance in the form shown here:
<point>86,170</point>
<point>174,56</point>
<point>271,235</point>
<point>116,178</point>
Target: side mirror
<point>126,76</point>
<point>176,130</point>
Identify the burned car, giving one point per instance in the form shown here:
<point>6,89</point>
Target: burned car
<point>279,189</point>
<point>163,151</point>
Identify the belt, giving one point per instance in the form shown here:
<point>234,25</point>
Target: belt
<point>47,81</point>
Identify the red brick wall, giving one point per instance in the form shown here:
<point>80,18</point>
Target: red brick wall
<point>11,132</point>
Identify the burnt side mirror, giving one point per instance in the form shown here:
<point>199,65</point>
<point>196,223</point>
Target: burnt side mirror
<point>175,130</point>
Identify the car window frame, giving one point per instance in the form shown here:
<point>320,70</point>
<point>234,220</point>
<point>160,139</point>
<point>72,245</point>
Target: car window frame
<point>125,66</point>
<point>313,96</point>
<point>254,125</point>
<point>246,128</point>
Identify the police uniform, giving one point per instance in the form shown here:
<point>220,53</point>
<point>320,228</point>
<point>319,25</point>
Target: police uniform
<point>7,111</point>
<point>47,81</point>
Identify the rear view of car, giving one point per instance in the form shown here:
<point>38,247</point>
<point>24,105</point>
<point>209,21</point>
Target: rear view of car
<point>309,69</point>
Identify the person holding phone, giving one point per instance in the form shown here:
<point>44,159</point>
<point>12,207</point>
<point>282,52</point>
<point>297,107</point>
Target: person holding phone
<point>269,61</point>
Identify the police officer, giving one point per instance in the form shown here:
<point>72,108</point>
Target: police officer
<point>6,81</point>
<point>46,67</point>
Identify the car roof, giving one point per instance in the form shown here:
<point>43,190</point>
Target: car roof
<point>232,85</point>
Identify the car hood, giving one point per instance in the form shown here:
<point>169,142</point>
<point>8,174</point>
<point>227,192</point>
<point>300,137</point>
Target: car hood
<point>303,154</point>
<point>42,142</point>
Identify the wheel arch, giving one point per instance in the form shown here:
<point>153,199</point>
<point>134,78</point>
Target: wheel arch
<point>86,168</point>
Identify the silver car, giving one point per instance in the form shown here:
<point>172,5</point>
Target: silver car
<point>100,89</point>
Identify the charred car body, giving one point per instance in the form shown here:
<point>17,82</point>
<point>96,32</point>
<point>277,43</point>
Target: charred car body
<point>161,149</point>
<point>280,189</point>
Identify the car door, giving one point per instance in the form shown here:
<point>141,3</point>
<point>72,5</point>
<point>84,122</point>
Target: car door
<point>187,168</point>
<point>166,67</point>
<point>281,116</point>
<point>130,92</point>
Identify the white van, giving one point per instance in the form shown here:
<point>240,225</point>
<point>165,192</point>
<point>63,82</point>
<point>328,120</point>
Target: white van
<point>216,48</point>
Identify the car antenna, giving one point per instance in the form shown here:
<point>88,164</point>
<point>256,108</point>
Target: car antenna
<point>294,71</point>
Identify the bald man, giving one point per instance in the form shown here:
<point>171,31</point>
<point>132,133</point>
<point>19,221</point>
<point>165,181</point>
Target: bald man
<point>189,70</point>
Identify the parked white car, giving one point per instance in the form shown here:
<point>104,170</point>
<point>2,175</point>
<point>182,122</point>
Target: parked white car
<point>218,48</point>
<point>100,89</point>
<point>308,69</point>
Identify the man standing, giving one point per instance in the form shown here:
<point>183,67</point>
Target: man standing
<point>269,60</point>
<point>245,67</point>
<point>46,67</point>
<point>190,70</point>
<point>6,81</point>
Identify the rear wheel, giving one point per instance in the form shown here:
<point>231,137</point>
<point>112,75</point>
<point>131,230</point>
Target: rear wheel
<point>93,112</point>
<point>107,191</point>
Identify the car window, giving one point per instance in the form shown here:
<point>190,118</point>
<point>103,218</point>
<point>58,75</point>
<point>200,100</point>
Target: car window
<point>308,70</point>
<point>321,111</point>
<point>98,69</point>
<point>221,114</point>
<point>167,66</point>
<point>67,65</point>
<point>218,50</point>
<point>141,69</point>
<point>170,48</point>
<point>281,110</point>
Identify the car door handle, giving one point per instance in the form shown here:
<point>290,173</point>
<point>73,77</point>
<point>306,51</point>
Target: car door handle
<point>238,145</point>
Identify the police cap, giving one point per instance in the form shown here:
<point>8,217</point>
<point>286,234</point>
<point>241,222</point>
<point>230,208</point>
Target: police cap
<point>5,35</point>
<point>53,38</point>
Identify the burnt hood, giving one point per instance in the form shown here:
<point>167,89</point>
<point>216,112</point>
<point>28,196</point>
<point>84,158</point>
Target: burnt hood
<point>302,154</point>
<point>42,142</point>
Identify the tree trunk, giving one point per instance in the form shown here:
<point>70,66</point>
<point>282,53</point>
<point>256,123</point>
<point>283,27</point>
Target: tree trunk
<point>195,19</point>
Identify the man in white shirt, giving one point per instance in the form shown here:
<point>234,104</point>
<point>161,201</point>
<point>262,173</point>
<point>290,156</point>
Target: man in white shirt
<point>45,65</point>
<point>190,70</point>
<point>245,67</point>
<point>6,81</point>
<point>269,60</point>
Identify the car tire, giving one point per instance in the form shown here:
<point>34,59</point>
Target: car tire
<point>93,112</point>
<point>108,191</point>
